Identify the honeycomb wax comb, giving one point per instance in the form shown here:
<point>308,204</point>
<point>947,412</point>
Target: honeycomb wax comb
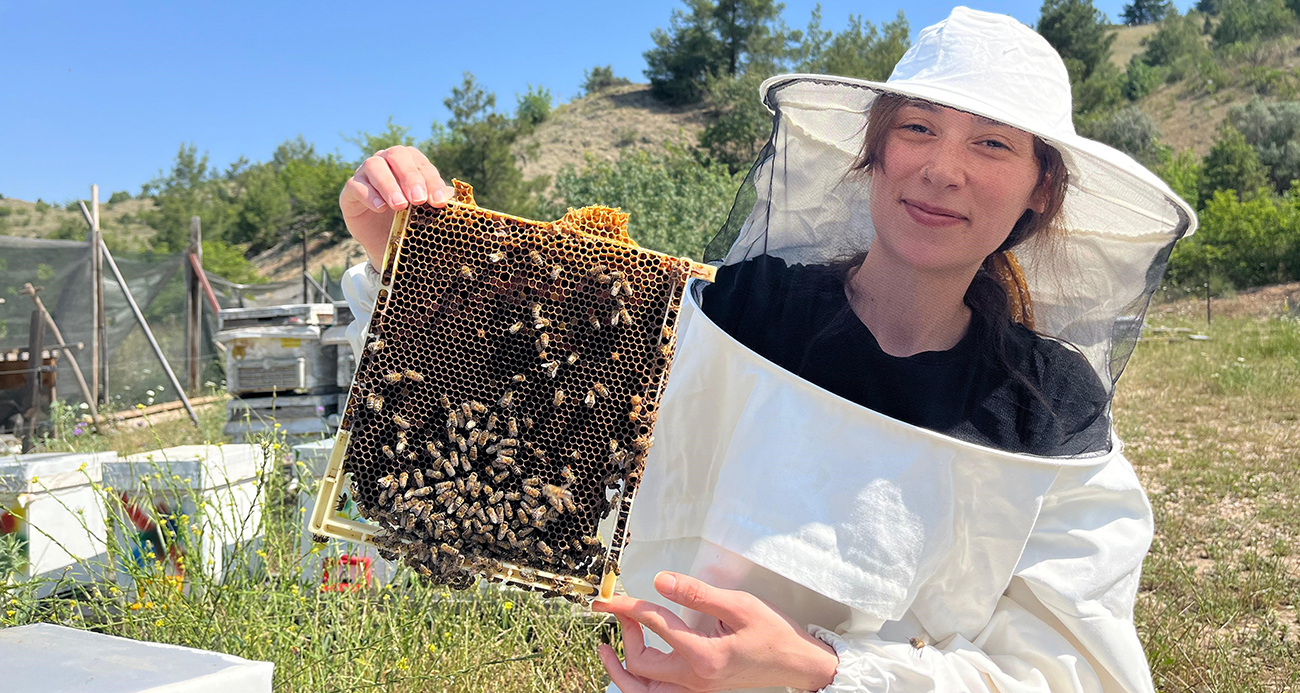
<point>506,396</point>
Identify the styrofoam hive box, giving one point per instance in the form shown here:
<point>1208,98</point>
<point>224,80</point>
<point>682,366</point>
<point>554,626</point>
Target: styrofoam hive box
<point>49,506</point>
<point>336,564</point>
<point>279,358</point>
<point>46,657</point>
<point>212,488</point>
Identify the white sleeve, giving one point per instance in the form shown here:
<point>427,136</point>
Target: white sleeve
<point>1065,623</point>
<point>360,286</point>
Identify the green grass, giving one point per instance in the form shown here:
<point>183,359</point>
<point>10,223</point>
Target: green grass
<point>1211,426</point>
<point>1213,429</point>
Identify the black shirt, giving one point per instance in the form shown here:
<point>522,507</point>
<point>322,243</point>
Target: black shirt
<point>799,318</point>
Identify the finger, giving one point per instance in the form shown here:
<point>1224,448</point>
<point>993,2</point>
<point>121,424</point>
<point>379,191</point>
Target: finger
<point>439,190</point>
<point>359,196</point>
<point>650,662</point>
<point>732,607</point>
<point>406,170</point>
<point>663,622</point>
<point>626,682</point>
<point>380,177</point>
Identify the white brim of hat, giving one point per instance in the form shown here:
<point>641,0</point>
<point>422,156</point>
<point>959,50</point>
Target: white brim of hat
<point>1085,159</point>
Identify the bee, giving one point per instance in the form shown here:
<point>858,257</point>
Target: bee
<point>403,423</point>
<point>444,486</point>
<point>434,452</point>
<point>506,400</point>
<point>642,443</point>
<point>518,378</point>
<point>376,346</point>
<point>388,481</point>
<point>498,478</point>
<point>448,468</point>
<point>590,400</point>
<point>413,376</point>
<point>394,377</point>
<point>400,446</point>
<point>559,398</point>
<point>552,367</point>
<point>556,495</point>
<point>477,407</point>
<point>615,356</point>
<point>388,452</point>
<point>546,550</point>
<point>625,316</point>
<point>473,453</point>
<point>465,411</point>
<point>613,319</point>
<point>514,329</point>
<point>536,257</point>
<point>374,402</point>
<point>636,400</point>
<point>615,499</point>
<point>598,269</point>
<point>601,390</point>
<point>917,644</point>
<point>555,272</point>
<point>543,341</point>
<point>536,309</point>
<point>595,321</point>
<point>590,541</point>
<point>496,257</point>
<point>447,549</point>
<point>464,463</point>
<point>466,272</point>
<point>445,402</point>
<point>616,275</point>
<point>401,480</point>
<point>492,516</point>
<point>614,289</point>
<point>572,358</point>
<point>482,333</point>
<point>627,288</point>
<point>512,427</point>
<point>604,279</point>
<point>341,503</point>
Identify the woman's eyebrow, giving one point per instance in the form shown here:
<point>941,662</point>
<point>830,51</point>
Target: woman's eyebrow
<point>934,108</point>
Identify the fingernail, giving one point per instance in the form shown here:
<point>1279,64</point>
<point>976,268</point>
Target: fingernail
<point>377,203</point>
<point>665,582</point>
<point>439,196</point>
<point>398,200</point>
<point>418,194</point>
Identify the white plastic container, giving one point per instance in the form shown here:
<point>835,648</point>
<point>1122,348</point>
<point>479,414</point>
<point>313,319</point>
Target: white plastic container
<point>48,504</point>
<point>210,488</point>
<point>335,564</point>
<point>279,358</point>
<point>46,657</point>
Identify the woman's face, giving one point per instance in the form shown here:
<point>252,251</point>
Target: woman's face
<point>951,186</point>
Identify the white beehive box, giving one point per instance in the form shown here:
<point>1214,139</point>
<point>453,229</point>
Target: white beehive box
<point>279,358</point>
<point>209,488</point>
<point>336,564</point>
<point>50,508</point>
<point>46,657</point>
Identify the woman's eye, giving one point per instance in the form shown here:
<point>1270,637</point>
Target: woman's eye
<point>995,144</point>
<point>916,127</point>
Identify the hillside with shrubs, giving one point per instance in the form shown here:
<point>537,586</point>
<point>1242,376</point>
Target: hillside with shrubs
<point>1209,99</point>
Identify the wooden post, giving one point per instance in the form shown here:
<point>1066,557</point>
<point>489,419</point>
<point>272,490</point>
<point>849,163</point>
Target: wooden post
<point>194,307</point>
<point>32,398</point>
<point>306,297</point>
<point>86,392</point>
<point>92,241</point>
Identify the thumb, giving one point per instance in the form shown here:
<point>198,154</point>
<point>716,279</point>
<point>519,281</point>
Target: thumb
<point>693,593</point>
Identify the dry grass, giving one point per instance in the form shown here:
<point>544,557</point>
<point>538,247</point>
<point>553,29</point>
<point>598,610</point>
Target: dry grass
<point>1128,42</point>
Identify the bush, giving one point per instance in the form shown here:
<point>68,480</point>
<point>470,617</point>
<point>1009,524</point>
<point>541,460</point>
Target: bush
<point>1177,45</point>
<point>1102,91</point>
<point>677,203</point>
<point>1141,79</point>
<point>1245,242</point>
<point>1232,164</point>
<point>1129,130</point>
<point>42,206</point>
<point>534,106</point>
<point>598,78</point>
<point>1244,20</point>
<point>1273,129</point>
<point>119,196</point>
<point>1183,173</point>
<point>741,123</point>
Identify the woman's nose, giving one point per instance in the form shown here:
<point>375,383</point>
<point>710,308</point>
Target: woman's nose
<point>947,167</point>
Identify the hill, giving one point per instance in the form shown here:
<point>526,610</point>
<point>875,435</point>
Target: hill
<point>43,220</point>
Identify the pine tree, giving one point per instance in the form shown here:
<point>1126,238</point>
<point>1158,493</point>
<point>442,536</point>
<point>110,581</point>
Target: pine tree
<point>1141,12</point>
<point>1232,164</point>
<point>1079,32</point>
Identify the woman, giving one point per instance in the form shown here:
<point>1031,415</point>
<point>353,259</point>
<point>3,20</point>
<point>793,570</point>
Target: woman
<point>887,472</point>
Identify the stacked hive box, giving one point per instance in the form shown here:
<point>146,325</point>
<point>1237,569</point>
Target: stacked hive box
<point>173,501</point>
<point>51,511</point>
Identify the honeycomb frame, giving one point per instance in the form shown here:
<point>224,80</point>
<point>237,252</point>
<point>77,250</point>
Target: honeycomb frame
<point>514,368</point>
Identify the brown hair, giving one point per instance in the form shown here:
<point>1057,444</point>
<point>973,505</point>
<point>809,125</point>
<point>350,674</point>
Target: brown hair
<point>986,297</point>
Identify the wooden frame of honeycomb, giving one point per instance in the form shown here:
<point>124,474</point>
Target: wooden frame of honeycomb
<point>508,386</point>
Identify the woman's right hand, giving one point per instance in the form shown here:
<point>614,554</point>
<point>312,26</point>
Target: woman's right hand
<point>383,184</point>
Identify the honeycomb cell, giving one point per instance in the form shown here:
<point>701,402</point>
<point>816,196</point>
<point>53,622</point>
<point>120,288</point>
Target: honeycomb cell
<point>540,349</point>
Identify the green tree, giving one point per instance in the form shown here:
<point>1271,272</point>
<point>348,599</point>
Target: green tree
<point>740,122</point>
<point>1247,242</point>
<point>598,78</point>
<point>393,135</point>
<point>1232,164</point>
<point>1141,12</point>
<point>1129,130</point>
<point>1079,32</point>
<point>1183,173</point>
<point>860,50</point>
<point>1273,129</point>
<point>1177,44</point>
<point>192,188</point>
<point>676,203</point>
<point>1243,20</point>
<point>119,196</point>
<point>534,106</point>
<point>1101,92</point>
<point>476,147</point>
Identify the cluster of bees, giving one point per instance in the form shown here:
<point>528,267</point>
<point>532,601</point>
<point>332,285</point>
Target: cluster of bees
<point>466,486</point>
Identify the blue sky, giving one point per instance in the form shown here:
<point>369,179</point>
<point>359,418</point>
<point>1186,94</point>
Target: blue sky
<point>106,92</point>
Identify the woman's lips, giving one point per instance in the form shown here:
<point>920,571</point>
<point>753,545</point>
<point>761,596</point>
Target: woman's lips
<point>929,215</point>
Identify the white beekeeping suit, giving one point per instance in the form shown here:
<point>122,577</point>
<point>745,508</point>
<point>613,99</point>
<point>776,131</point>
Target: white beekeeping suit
<point>1018,571</point>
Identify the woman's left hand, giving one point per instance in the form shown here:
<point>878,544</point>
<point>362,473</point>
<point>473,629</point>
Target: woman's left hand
<point>752,644</point>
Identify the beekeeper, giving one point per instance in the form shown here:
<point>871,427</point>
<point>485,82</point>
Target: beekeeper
<point>884,459</point>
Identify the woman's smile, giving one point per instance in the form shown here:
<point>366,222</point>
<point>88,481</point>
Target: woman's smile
<point>930,215</point>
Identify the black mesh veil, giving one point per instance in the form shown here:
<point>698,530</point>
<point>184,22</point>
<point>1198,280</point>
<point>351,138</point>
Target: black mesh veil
<point>1090,287</point>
